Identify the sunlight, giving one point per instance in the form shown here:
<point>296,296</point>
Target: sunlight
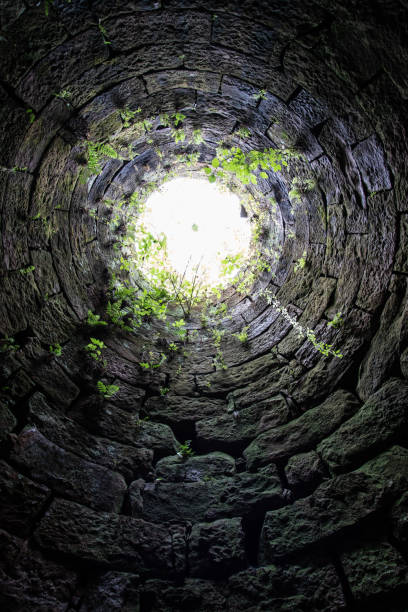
<point>202,225</point>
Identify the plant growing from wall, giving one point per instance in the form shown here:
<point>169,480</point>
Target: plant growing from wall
<point>185,450</point>
<point>107,391</point>
<point>55,349</point>
<point>94,348</point>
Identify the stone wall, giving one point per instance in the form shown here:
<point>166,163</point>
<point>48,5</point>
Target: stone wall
<point>296,496</point>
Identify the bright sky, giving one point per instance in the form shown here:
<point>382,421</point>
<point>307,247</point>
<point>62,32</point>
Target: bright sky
<point>201,222</point>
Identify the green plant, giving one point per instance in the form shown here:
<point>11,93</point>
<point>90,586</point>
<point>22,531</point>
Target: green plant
<point>127,115</point>
<point>179,327</point>
<point>94,348</point>
<point>107,391</point>
<point>152,364</point>
<point>164,120</point>
<point>185,450</point>
<point>337,321</point>
<point>261,95</point>
<point>242,336</point>
<point>8,344</point>
<point>178,118</point>
<point>243,132</point>
<point>178,135</point>
<point>322,347</point>
<point>31,115</point>
<point>96,151</point>
<point>64,95</point>
<point>25,271</point>
<point>164,390</point>
<point>56,349</point>
<point>197,137</point>
<point>243,165</point>
<point>94,320</point>
<point>300,263</point>
<point>104,33</point>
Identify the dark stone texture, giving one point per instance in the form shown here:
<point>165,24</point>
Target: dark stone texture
<point>66,474</point>
<point>31,582</point>
<point>112,591</point>
<point>380,421</point>
<point>305,471</point>
<point>21,500</point>
<point>304,585</point>
<point>195,468</point>
<point>236,428</point>
<point>380,357</point>
<point>207,499</point>
<point>303,433</point>
<point>109,539</point>
<point>374,568</point>
<point>216,549</point>
<point>112,422</point>
<point>194,594</point>
<point>7,421</point>
<point>399,521</point>
<point>323,79</point>
<point>62,431</point>
<point>335,506</point>
<point>183,410</point>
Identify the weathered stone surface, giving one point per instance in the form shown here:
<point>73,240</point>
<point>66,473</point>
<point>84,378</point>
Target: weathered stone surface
<point>234,377</point>
<point>53,380</point>
<point>392,332</point>
<point>7,421</point>
<point>233,428</point>
<point>112,591</point>
<point>173,410</point>
<point>29,581</point>
<point>302,433</point>
<point>305,470</point>
<point>118,541</point>
<point>306,585</point>
<point>206,500</point>
<point>399,521</point>
<point>391,467</point>
<point>194,595</point>
<point>120,425</point>
<point>382,420</point>
<point>195,468</point>
<point>216,549</point>
<point>204,81</point>
<point>129,461</point>
<point>139,29</point>
<point>21,500</point>
<point>404,363</point>
<point>370,159</point>
<point>401,263</point>
<point>67,474</point>
<point>374,568</point>
<point>333,507</point>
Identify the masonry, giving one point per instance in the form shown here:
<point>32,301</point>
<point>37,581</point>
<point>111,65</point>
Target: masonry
<point>296,495</point>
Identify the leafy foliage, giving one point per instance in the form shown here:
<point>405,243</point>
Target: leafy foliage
<point>107,391</point>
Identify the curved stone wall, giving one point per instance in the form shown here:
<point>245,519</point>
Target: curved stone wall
<point>295,498</point>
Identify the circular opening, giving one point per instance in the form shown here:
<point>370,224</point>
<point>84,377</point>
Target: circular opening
<point>205,235</point>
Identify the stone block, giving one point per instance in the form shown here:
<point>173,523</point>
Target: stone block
<point>196,468</point>
<point>28,581</point>
<point>21,500</point>
<point>113,540</point>
<point>66,433</point>
<point>303,433</point>
<point>216,549</point>
<point>373,569</point>
<point>67,474</point>
<point>380,421</point>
